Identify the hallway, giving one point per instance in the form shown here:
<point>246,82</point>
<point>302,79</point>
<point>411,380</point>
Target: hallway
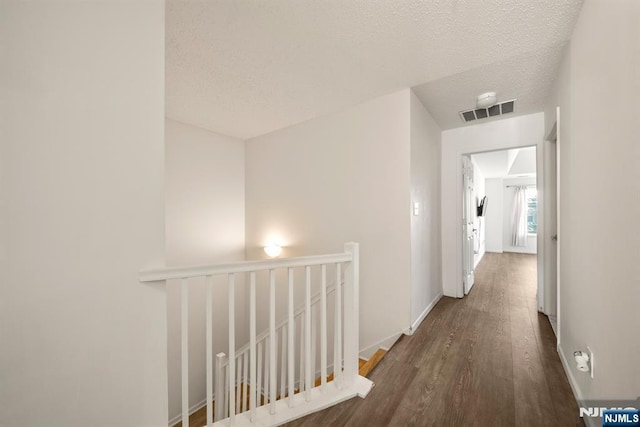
<point>488,359</point>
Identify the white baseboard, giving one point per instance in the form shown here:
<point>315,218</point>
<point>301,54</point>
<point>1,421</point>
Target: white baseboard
<point>319,400</point>
<point>384,344</point>
<point>554,324</point>
<point>423,315</point>
<point>572,380</point>
<point>478,257</point>
<point>589,422</point>
<point>516,250</point>
<point>192,410</point>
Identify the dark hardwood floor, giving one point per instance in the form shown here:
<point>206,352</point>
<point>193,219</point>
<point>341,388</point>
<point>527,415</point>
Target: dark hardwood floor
<point>488,359</point>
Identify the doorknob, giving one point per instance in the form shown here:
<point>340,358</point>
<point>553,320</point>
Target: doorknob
<point>554,237</point>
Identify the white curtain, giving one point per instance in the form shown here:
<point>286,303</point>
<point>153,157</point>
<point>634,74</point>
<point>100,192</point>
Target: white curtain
<point>519,230</point>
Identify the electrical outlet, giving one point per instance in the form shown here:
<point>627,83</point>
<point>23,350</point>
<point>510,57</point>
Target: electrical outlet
<point>591,361</point>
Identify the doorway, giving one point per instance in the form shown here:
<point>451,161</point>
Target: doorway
<point>500,209</point>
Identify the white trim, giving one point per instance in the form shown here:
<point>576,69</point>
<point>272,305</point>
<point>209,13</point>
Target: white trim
<point>167,273</point>
<point>589,422</point>
<point>192,410</point>
<point>420,318</point>
<point>521,250</point>
<point>478,138</point>
<point>301,408</point>
<point>319,400</point>
<point>554,324</point>
<point>572,380</point>
<point>384,344</point>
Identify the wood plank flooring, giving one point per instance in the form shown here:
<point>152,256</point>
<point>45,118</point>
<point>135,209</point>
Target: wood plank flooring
<point>488,359</point>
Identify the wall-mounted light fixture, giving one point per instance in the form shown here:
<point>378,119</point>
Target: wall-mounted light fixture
<point>273,250</point>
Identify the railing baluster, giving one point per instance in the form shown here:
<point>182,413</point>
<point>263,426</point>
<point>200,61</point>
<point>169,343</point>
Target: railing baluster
<point>323,328</point>
<point>209,343</point>
<point>245,382</point>
<point>238,383</point>
<point>351,326</point>
<point>185,351</point>
<point>248,377</point>
<point>227,389</point>
<point>283,361</point>
<point>232,347</point>
<point>292,331</point>
<point>314,341</point>
<point>267,354</point>
<point>337,336</point>
<point>219,412</point>
<point>307,334</point>
<point>259,375</point>
<point>272,337</point>
<point>252,339</point>
<point>301,381</point>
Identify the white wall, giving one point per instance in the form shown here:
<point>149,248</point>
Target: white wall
<point>599,204</point>
<point>426,283</point>
<point>520,131</point>
<point>339,178</point>
<point>204,194</point>
<point>82,170</point>
<point>507,217</point>
<point>494,215</point>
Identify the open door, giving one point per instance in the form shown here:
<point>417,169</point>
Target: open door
<point>551,243</point>
<point>552,303</point>
<point>468,232</point>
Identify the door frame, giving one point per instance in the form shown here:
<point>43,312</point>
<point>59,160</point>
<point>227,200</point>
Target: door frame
<point>539,236</point>
<point>555,134</point>
<point>522,131</point>
<point>552,141</point>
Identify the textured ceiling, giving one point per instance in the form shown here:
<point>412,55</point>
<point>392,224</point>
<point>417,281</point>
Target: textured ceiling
<point>248,67</point>
<point>527,77</point>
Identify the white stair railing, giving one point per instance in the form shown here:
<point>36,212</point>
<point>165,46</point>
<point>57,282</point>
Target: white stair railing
<point>285,342</point>
<point>271,357</point>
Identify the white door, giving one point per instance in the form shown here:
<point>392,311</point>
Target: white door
<point>468,232</point>
<point>552,186</point>
<point>551,302</point>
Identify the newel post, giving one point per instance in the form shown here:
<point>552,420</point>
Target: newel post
<point>351,313</point>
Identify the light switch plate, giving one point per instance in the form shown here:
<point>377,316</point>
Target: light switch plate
<point>416,208</point>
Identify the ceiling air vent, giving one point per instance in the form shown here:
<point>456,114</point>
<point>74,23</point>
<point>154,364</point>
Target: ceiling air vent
<point>493,111</point>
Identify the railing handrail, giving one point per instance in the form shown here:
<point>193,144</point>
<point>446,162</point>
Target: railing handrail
<point>262,362</point>
<point>315,299</point>
<point>168,273</point>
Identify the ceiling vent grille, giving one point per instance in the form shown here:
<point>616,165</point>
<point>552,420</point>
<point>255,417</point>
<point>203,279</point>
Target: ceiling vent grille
<point>499,109</point>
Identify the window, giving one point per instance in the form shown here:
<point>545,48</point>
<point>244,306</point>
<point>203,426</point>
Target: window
<point>532,210</point>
